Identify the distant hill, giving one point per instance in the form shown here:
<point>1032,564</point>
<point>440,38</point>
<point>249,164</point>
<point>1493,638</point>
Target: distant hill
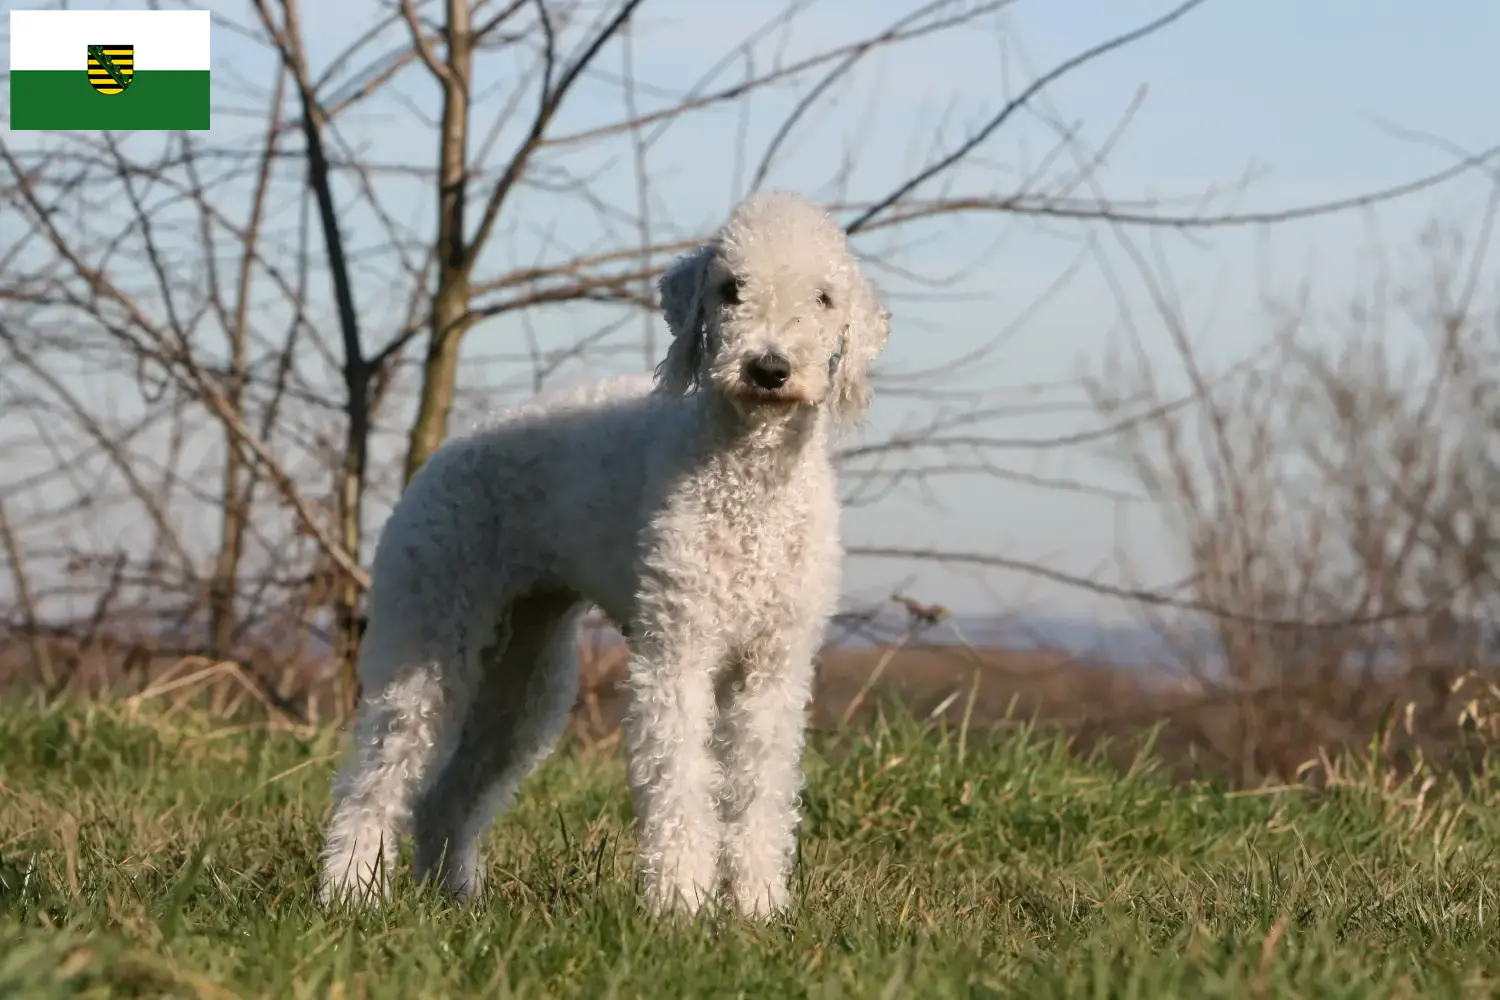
<point>1190,648</point>
<point>1121,644</point>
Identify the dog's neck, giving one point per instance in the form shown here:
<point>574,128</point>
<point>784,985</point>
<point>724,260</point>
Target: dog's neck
<point>777,440</point>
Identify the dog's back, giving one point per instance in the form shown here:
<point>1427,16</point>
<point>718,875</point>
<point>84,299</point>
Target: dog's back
<point>517,500</point>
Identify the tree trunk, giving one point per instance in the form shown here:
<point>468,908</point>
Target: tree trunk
<point>41,658</point>
<point>224,588</point>
<point>450,303</point>
<point>351,484</point>
<point>351,496</point>
<point>440,371</point>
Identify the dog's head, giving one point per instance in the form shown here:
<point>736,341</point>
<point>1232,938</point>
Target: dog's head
<point>774,312</point>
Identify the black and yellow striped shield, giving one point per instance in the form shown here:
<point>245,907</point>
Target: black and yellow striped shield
<point>111,67</point>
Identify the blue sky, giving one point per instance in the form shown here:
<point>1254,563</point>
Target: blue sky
<point>1291,93</point>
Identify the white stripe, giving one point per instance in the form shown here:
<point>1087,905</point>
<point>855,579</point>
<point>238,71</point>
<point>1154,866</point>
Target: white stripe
<point>59,39</point>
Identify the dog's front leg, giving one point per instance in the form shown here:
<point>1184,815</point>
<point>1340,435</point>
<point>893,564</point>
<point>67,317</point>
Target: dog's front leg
<point>673,775</point>
<point>761,733</point>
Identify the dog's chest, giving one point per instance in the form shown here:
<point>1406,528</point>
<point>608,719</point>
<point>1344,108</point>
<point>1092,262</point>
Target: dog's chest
<point>762,536</point>
<point>744,531</point>
<point>752,529</point>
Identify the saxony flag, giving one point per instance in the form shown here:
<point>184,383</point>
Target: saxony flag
<point>109,69</point>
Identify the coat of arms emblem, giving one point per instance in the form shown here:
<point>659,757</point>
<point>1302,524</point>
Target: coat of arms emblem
<point>111,67</point>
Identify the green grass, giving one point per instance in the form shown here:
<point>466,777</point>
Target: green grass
<point>172,855</point>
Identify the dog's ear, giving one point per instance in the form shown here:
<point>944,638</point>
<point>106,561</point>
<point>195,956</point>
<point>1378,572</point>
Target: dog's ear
<point>681,290</point>
<point>869,329</point>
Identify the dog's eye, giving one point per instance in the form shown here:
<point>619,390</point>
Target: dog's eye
<point>729,292</point>
<point>825,300</point>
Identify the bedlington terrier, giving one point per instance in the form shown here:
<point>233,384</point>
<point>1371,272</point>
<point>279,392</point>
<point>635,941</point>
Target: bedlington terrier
<point>700,514</point>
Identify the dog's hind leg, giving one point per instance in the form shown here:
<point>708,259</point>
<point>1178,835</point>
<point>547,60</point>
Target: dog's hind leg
<point>513,724</point>
<point>406,726</point>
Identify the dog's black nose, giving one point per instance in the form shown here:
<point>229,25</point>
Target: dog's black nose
<point>769,371</point>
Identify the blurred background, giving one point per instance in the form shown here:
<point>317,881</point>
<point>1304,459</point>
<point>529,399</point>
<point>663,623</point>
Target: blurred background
<point>1189,414</point>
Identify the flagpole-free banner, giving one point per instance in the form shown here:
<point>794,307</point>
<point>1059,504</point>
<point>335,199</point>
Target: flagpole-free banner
<point>109,69</point>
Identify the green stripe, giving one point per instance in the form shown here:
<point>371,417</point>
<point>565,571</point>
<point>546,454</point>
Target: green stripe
<point>63,99</point>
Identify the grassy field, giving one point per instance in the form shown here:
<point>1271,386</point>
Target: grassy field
<point>148,854</point>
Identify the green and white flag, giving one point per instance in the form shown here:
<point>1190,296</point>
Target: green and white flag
<point>109,69</point>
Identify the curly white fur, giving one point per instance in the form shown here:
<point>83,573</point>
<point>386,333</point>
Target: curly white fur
<point>701,515</point>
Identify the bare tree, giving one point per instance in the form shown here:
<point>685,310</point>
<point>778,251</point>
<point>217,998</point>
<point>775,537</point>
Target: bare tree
<point>239,309</point>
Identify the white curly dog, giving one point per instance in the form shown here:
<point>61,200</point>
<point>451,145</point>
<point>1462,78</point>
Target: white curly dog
<point>700,515</point>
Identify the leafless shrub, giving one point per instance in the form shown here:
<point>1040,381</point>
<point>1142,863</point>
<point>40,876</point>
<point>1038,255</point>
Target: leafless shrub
<point>1335,503</point>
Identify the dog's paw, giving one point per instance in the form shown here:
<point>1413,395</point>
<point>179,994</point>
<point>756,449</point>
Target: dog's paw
<point>663,898</point>
<point>761,900</point>
<point>353,893</point>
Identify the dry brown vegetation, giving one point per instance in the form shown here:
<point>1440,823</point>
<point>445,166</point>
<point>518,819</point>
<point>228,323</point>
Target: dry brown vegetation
<point>277,379</point>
